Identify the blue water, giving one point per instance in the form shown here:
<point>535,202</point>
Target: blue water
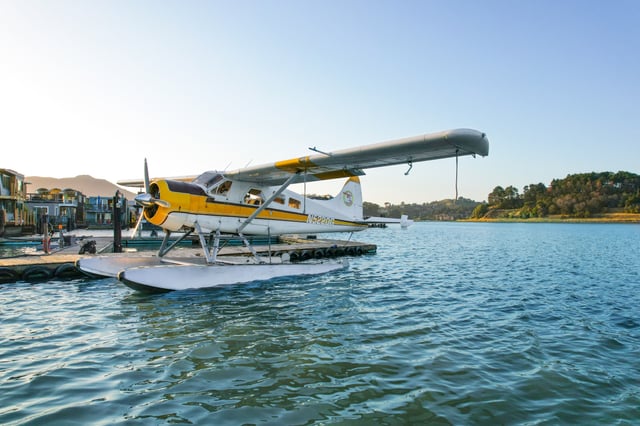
<point>450,323</point>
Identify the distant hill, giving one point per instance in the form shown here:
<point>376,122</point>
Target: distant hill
<point>578,196</point>
<point>86,184</point>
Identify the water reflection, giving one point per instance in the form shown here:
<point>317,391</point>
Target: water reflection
<point>249,348</point>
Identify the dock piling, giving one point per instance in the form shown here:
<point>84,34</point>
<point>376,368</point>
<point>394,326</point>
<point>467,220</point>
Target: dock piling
<point>117,228</point>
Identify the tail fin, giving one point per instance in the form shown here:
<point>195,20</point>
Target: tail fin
<point>349,200</point>
<point>405,222</point>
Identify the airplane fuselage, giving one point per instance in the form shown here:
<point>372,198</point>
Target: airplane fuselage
<point>219,204</point>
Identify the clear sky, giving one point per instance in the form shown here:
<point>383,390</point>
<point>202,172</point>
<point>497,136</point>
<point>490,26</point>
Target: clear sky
<point>94,87</point>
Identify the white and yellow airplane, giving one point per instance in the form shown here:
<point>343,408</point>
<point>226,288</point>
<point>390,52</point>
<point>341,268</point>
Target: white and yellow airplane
<point>255,201</point>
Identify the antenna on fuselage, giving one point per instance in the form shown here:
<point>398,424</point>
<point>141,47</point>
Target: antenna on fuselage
<point>314,149</point>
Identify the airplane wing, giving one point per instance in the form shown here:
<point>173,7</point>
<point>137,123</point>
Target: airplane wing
<point>139,183</point>
<point>352,161</point>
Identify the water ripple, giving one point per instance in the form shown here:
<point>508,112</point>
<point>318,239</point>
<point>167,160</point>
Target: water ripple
<point>448,324</point>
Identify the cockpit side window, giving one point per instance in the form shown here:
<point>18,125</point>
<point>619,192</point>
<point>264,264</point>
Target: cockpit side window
<point>223,188</point>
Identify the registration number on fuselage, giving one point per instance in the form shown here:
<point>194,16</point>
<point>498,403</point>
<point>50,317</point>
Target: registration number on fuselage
<point>320,220</point>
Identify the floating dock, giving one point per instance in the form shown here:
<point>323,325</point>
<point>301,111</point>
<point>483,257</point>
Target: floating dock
<point>60,263</point>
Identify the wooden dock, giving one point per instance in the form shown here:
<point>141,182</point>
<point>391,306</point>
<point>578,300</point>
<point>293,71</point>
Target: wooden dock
<point>60,263</point>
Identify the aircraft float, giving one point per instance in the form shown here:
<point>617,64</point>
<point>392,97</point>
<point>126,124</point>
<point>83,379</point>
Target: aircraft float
<point>256,201</point>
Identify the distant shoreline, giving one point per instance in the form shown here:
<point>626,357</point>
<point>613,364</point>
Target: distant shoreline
<point>628,218</point>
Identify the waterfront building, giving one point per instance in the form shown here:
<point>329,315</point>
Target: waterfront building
<point>72,209</point>
<point>66,208</point>
<point>100,212</point>
<point>14,215</point>
<point>23,212</point>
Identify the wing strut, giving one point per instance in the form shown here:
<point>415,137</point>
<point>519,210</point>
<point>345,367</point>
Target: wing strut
<point>267,203</point>
<point>165,241</point>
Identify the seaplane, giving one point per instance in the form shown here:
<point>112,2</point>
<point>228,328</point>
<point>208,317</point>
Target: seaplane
<point>257,201</point>
<point>377,221</point>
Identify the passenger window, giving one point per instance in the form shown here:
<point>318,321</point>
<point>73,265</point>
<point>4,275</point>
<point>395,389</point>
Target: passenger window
<point>254,197</point>
<point>294,203</point>
<point>279,200</point>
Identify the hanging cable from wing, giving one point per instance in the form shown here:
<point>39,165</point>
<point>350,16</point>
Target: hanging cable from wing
<point>456,199</point>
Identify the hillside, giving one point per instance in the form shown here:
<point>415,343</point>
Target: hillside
<point>436,210</point>
<point>593,197</point>
<point>86,184</point>
<point>578,196</point>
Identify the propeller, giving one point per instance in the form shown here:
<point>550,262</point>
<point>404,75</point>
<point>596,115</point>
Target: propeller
<point>146,199</point>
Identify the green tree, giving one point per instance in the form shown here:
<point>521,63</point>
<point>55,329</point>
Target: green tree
<point>480,211</point>
<point>496,197</point>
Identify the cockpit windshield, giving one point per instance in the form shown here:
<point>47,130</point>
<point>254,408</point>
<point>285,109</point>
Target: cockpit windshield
<point>208,179</point>
<point>214,183</point>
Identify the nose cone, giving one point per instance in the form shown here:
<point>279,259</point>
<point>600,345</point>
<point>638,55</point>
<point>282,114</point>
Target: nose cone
<point>145,200</point>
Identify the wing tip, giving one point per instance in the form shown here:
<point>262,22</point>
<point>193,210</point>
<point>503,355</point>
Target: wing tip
<point>471,140</point>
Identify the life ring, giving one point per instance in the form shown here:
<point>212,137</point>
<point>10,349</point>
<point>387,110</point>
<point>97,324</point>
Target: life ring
<point>8,275</point>
<point>66,270</point>
<point>36,273</point>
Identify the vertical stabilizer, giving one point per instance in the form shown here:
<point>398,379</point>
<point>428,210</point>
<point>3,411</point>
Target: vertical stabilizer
<point>405,222</point>
<point>349,200</point>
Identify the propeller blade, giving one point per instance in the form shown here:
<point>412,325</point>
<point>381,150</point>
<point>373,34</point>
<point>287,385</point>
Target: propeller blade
<point>138,222</point>
<point>146,177</point>
<point>161,203</point>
